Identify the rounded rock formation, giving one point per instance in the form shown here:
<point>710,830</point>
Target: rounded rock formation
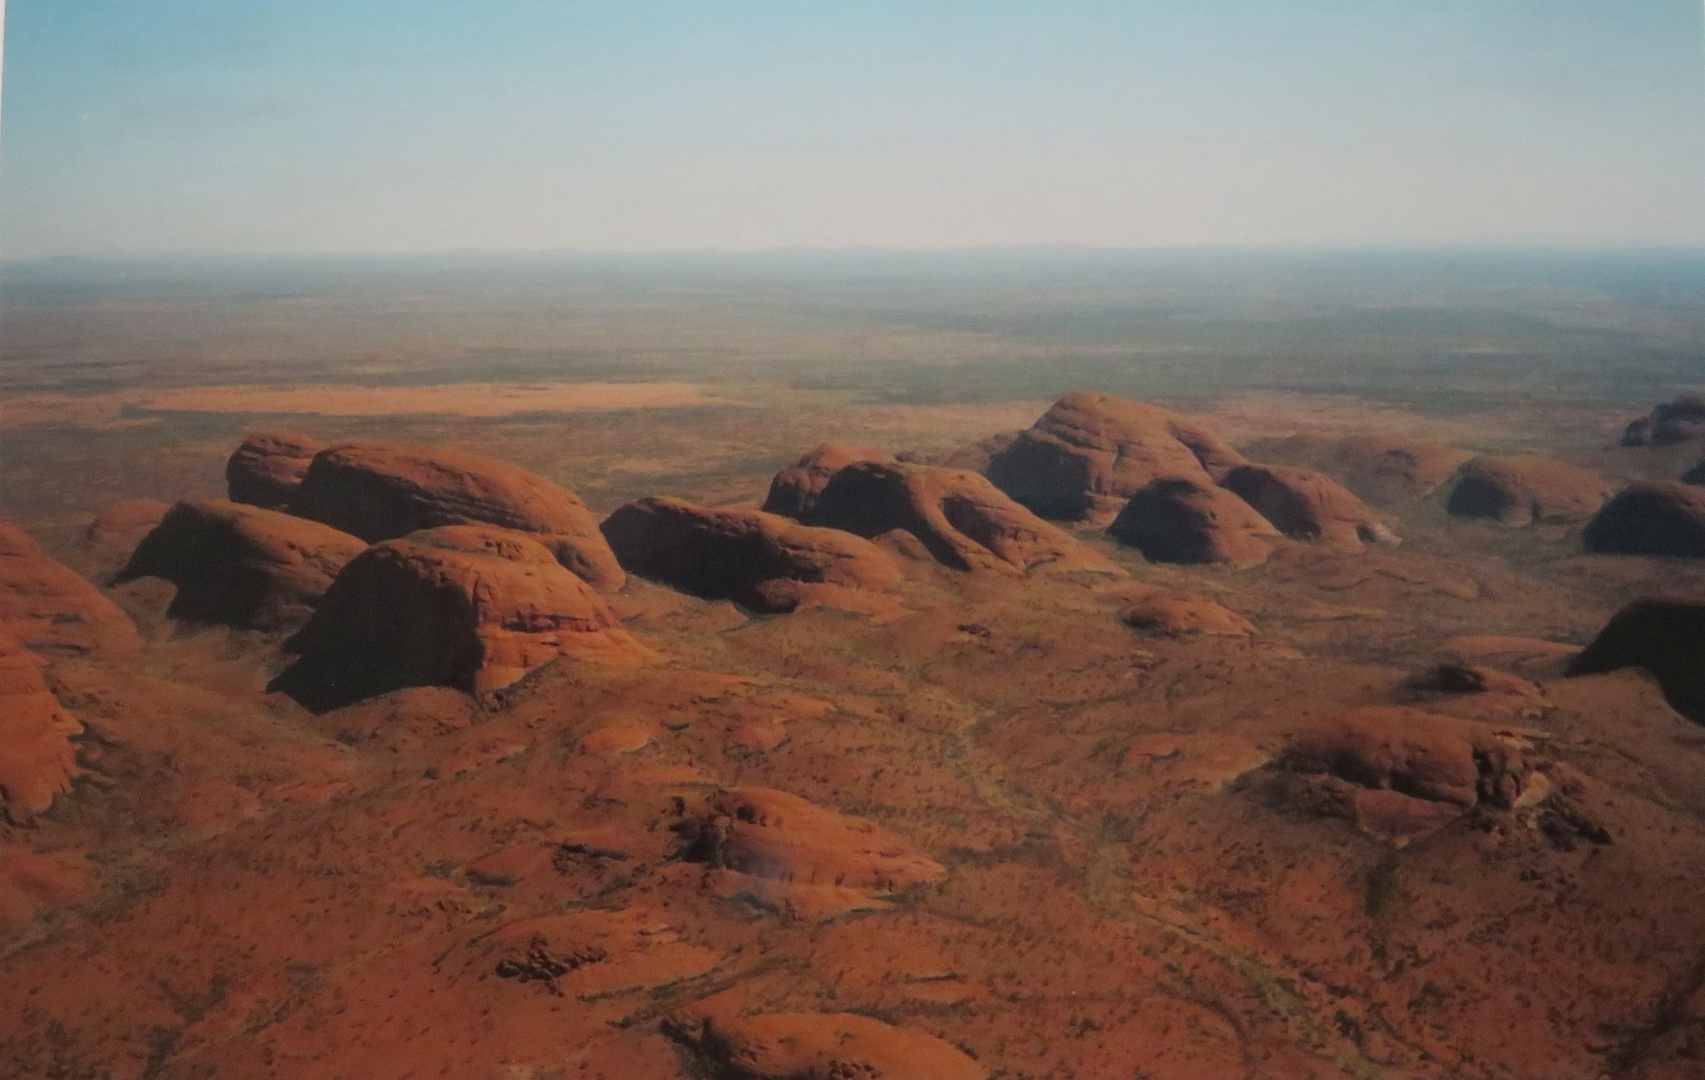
<point>1187,519</point>
<point>470,607</point>
<point>50,608</point>
<point>1182,614</point>
<point>961,518</point>
<point>37,760</point>
<point>787,852</point>
<point>1307,505</point>
<point>1667,638</point>
<point>794,490</point>
<point>1672,422</point>
<point>242,565</point>
<point>761,560</point>
<point>1390,470</point>
<point>1652,517</point>
<point>381,491</point>
<point>1528,490</point>
<point>1090,452</point>
<point>268,467</point>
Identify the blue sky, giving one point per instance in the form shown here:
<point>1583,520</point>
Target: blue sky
<point>383,125</point>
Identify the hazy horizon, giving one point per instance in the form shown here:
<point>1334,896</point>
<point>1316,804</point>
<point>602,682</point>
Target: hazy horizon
<point>311,127</point>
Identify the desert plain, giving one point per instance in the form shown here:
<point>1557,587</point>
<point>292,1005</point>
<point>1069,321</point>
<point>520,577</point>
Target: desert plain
<point>1027,665</point>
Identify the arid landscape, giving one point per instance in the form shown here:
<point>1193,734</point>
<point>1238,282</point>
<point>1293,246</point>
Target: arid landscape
<point>1028,665</point>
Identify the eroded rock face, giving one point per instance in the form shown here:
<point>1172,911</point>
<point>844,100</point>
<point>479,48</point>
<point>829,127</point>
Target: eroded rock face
<point>1667,638</point>
<point>1182,614</point>
<point>1527,490</point>
<point>1672,422</point>
<point>241,565</point>
<point>1307,505</point>
<point>50,608</point>
<point>962,518</point>
<point>1652,517</point>
<point>267,468</point>
<point>794,490</point>
<point>1390,469</point>
<point>37,760</point>
<point>586,954</point>
<point>466,606</point>
<point>784,852</point>
<point>381,491</point>
<point>1090,452</point>
<point>1185,519</point>
<point>762,560</point>
<point>815,1046</point>
<point>1401,772</point>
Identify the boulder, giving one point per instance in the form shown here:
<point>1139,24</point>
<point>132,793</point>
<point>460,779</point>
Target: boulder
<point>761,560</point>
<point>37,760</point>
<point>794,490</point>
<point>1307,505</point>
<point>1187,519</point>
<point>51,608</point>
<point>1182,614</point>
<point>961,518</point>
<point>785,852</point>
<point>1090,452</point>
<point>1389,469</point>
<point>1651,517</point>
<point>381,491</point>
<point>1402,772</point>
<point>1526,489</point>
<point>1672,422</point>
<point>465,606</point>
<point>1667,638</point>
<point>267,468</point>
<point>241,565</point>
<point>813,1046</point>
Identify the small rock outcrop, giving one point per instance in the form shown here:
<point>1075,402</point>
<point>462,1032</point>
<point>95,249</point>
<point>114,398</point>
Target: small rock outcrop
<point>1667,638</point>
<point>961,518</point>
<point>1307,505</point>
<point>1651,517</point>
<point>1526,489</point>
<point>1392,470</point>
<point>1188,519</point>
<point>814,1046</point>
<point>268,467</point>
<point>761,560</point>
<point>381,491</point>
<point>785,852</point>
<point>794,490</point>
<point>1090,452</point>
<point>1400,772</point>
<point>241,565</point>
<point>465,606</point>
<point>37,760</point>
<point>1675,421</point>
<point>1183,614</point>
<point>589,954</point>
<point>51,608</point>
<point>126,523</point>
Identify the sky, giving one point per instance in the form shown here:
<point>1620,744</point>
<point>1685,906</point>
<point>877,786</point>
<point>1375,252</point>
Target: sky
<point>154,126</point>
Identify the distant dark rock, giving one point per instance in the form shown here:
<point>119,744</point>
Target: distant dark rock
<point>1650,517</point>
<point>1681,420</point>
<point>1667,638</point>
